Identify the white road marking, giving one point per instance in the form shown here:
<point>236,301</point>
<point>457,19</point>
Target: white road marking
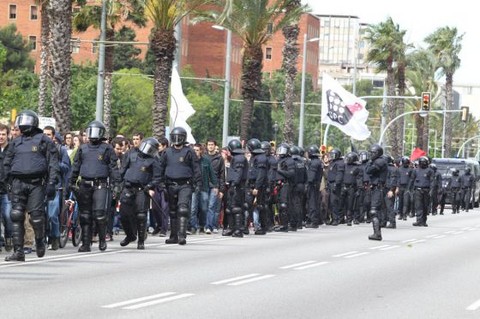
<point>458,232</point>
<point>345,254</point>
<point>379,247</point>
<point>233,279</point>
<point>391,247</point>
<point>156,302</point>
<point>298,264</point>
<point>474,306</point>
<point>418,241</point>
<point>439,236</point>
<point>409,240</point>
<point>449,232</point>
<point>357,255</point>
<point>131,301</point>
<point>312,265</point>
<point>246,281</point>
<point>431,236</point>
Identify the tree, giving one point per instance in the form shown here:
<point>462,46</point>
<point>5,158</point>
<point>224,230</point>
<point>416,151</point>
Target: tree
<point>445,43</point>
<point>18,50</point>
<point>117,12</point>
<point>3,55</point>
<point>44,57</point>
<point>60,19</point>
<point>251,21</point>
<point>387,45</point>
<point>127,57</point>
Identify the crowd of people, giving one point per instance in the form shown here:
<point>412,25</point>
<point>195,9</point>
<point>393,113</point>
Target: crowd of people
<point>176,189</point>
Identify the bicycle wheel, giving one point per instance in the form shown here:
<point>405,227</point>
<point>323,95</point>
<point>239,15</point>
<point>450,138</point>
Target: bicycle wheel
<point>76,235</point>
<point>63,227</point>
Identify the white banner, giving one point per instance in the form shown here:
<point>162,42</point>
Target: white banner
<point>180,108</point>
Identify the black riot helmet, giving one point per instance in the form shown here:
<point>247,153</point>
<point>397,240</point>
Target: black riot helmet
<point>27,121</point>
<point>295,150</point>
<point>434,167</point>
<point>364,156</point>
<point>313,151</point>
<point>389,158</point>
<point>468,170</point>
<point>302,151</point>
<point>405,161</point>
<point>423,162</point>
<point>375,151</point>
<point>235,147</point>
<point>334,154</point>
<point>255,146</point>
<point>95,131</point>
<point>266,147</point>
<point>149,146</point>
<point>283,150</point>
<point>455,171</point>
<point>351,158</point>
<point>178,136</point>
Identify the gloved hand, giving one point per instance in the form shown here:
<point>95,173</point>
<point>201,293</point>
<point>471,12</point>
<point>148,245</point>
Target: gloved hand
<point>147,188</point>
<point>117,189</point>
<point>50,191</point>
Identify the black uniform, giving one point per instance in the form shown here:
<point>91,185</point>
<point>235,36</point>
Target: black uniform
<point>377,170</point>
<point>285,180</point>
<point>404,186</point>
<point>453,186</point>
<point>96,165</point>
<point>336,170</point>
<point>423,180</point>
<point>468,183</point>
<point>32,169</point>
<point>349,190</point>
<point>298,192</point>
<point>236,178</point>
<point>436,191</point>
<point>270,196</point>
<point>314,177</point>
<point>258,180</point>
<point>391,188</point>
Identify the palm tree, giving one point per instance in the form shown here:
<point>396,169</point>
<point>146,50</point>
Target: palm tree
<point>165,15</point>
<point>251,21</point>
<point>386,40</point>
<point>117,13</point>
<point>44,57</point>
<point>445,43</point>
<point>289,66</point>
<point>60,22</point>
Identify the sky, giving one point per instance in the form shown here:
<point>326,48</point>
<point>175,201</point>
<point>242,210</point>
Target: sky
<point>419,18</point>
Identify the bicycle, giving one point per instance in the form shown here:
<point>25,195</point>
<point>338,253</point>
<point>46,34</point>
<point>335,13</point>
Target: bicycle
<point>70,223</point>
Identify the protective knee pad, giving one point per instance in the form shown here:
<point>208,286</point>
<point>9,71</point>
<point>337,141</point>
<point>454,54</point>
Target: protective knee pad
<point>373,213</point>
<point>141,217</point>
<point>246,206</point>
<point>17,215</point>
<point>172,214</point>
<point>228,211</point>
<point>237,210</point>
<point>85,218</point>
<point>283,206</point>
<point>183,210</point>
<point>37,218</point>
<point>100,216</point>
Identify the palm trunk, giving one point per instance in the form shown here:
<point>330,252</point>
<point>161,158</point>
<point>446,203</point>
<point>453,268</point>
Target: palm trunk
<point>107,91</point>
<point>60,50</point>
<point>251,86</point>
<point>290,56</point>
<point>43,76</point>
<point>163,44</point>
<point>448,116</point>
<point>401,109</point>
<point>390,105</point>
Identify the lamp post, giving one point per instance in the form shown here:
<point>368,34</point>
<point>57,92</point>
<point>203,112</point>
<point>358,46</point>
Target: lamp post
<point>302,93</point>
<point>226,95</point>
<point>275,131</point>
<point>101,64</point>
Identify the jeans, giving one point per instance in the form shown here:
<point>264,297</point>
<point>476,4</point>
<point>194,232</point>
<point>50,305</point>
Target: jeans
<point>53,213</point>
<point>5,207</point>
<point>213,210</point>
<point>198,213</point>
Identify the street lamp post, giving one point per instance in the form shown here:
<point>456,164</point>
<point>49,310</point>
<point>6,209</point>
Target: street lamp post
<point>302,92</point>
<point>275,131</point>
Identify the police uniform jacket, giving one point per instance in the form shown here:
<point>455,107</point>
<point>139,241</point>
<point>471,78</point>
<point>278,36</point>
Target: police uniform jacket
<point>95,162</point>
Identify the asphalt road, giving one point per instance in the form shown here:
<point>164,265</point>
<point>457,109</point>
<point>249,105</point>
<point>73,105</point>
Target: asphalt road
<point>330,272</point>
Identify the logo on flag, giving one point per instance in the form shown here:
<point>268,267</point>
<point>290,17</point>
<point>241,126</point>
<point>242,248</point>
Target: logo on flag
<point>344,110</point>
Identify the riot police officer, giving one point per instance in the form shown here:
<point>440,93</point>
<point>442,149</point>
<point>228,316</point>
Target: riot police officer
<point>284,180</point>
<point>349,187</point>
<point>377,170</point>
<point>314,177</point>
<point>404,185</point>
<point>423,180</point>
<point>298,188</point>
<point>141,174</point>
<point>468,183</point>
<point>236,178</point>
<point>436,190</point>
<point>96,164</point>
<point>257,183</point>
<point>32,170</point>
<point>453,186</point>
<point>270,197</point>
<point>363,183</point>
<point>336,170</point>
<point>391,190</point>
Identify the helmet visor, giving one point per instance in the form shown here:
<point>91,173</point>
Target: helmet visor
<point>95,132</point>
<point>282,150</point>
<point>25,120</point>
<point>147,149</point>
<point>177,139</point>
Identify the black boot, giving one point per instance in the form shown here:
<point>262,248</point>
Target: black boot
<point>377,234</point>
<point>182,230</point>
<point>173,232</point>
<point>228,228</point>
<point>102,232</point>
<point>18,255</point>
<point>86,239</point>
<point>141,230</point>
<point>238,225</point>
<point>40,247</point>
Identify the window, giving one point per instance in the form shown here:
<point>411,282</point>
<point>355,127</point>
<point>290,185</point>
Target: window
<point>94,47</point>
<point>33,13</point>
<point>270,28</point>
<point>268,54</point>
<point>13,11</point>
<point>75,45</point>
<point>33,42</point>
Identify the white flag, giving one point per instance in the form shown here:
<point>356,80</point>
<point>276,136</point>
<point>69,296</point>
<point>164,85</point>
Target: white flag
<point>180,108</point>
<point>343,109</point>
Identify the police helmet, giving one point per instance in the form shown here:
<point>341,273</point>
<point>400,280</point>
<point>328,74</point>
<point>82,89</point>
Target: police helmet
<point>468,170</point>
<point>149,146</point>
<point>235,147</point>
<point>389,158</point>
<point>423,162</point>
<point>334,154</point>
<point>434,167</point>
<point>255,146</point>
<point>364,156</point>
<point>295,150</point>
<point>313,151</point>
<point>351,158</point>
<point>455,171</point>
<point>375,151</point>
<point>178,136</point>
<point>95,131</point>
<point>405,161</point>
<point>266,147</point>
<point>283,150</point>
<point>27,121</point>
<point>302,151</point>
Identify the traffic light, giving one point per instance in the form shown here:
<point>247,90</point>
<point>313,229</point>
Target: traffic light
<point>464,113</point>
<point>323,149</point>
<point>425,101</point>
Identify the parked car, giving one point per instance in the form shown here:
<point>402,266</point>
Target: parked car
<point>445,165</point>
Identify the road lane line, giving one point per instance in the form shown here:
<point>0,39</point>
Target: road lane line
<point>312,265</point>
<point>233,279</point>
<point>298,264</point>
<point>391,247</point>
<point>450,232</point>
<point>246,281</point>
<point>128,302</point>
<point>156,302</point>
<point>440,236</point>
<point>458,232</point>
<point>380,247</point>
<point>418,241</point>
<point>431,236</point>
<point>357,255</point>
<point>345,254</point>
<point>409,240</point>
<point>474,306</point>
